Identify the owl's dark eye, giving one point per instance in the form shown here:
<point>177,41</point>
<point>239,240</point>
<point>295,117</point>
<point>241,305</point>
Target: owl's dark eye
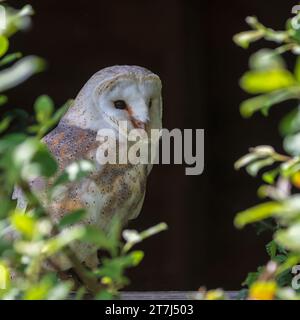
<point>120,104</point>
<point>150,103</point>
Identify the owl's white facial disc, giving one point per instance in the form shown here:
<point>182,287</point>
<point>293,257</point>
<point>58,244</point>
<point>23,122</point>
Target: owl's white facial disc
<point>136,101</point>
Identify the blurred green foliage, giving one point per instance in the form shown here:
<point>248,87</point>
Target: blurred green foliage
<point>28,240</point>
<point>273,83</point>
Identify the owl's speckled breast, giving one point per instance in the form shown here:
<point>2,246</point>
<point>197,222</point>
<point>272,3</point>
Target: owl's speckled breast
<point>118,189</point>
<point>123,187</point>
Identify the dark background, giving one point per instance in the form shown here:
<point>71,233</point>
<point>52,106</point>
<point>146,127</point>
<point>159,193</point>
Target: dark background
<point>189,44</point>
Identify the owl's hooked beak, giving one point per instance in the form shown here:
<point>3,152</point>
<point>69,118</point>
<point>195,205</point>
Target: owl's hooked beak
<point>139,124</point>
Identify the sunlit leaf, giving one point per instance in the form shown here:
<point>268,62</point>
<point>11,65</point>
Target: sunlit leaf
<point>136,257</point>
<point>4,276</point>
<point>38,291</point>
<point>23,223</point>
<point>270,176</point>
<point>4,44</point>
<point>264,81</point>
<point>291,261</point>
<point>257,213</point>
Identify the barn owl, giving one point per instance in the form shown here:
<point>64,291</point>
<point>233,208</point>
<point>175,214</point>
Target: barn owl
<point>114,94</point>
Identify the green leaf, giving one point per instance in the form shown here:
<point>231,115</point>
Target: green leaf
<point>290,210</point>
<point>289,238</point>
<point>45,163</point>
<point>74,172</point>
<point>61,111</point>
<point>20,72</point>
<point>290,124</point>
<point>289,168</point>
<point>265,81</point>
<point>270,176</point>
<point>114,268</point>
<point>257,213</point>
<point>271,248</point>
<point>97,237</point>
<point>9,58</point>
<point>60,291</point>
<point>104,295</point>
<point>114,230</point>
<point>280,258</point>
<point>252,277</point>
<point>50,123</point>
<point>72,218</point>
<point>291,144</point>
<point>80,293</point>
<point>3,99</point>
<point>256,166</point>
<point>6,206</point>
<point>264,102</point>
<point>38,291</point>
<point>245,160</point>
<point>66,237</point>
<point>266,59</point>
<point>135,258</point>
<point>43,107</point>
<point>266,225</point>
<point>23,223</point>
<point>297,69</point>
<point>11,141</point>
<point>34,159</point>
<point>244,39</point>
<point>4,124</point>
<point>291,260</point>
<point>17,20</point>
<point>4,44</point>
<point>5,278</point>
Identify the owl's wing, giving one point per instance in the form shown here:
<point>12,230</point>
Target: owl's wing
<point>67,144</point>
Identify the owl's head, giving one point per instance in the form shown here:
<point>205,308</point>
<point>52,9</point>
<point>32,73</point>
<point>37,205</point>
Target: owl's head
<point>119,93</point>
